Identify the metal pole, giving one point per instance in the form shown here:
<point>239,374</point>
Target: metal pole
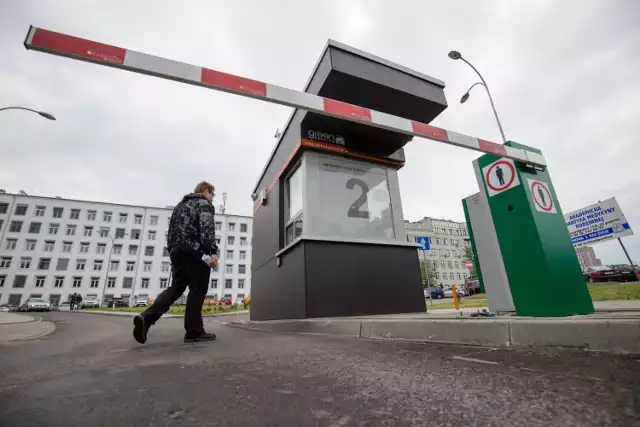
<point>41,113</point>
<point>633,266</point>
<point>106,273</point>
<point>426,275</point>
<point>493,107</point>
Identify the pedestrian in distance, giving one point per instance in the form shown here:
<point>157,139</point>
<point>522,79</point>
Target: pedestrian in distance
<point>72,300</point>
<point>193,252</point>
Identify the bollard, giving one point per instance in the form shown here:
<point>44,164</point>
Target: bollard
<point>455,297</point>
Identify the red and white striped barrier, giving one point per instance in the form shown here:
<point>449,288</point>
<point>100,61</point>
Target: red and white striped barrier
<point>99,53</point>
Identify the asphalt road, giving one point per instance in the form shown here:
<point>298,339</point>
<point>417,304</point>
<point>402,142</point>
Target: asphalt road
<point>90,372</point>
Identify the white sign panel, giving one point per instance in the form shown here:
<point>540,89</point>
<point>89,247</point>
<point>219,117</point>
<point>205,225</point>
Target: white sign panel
<point>541,196</point>
<point>500,176</point>
<point>355,200</point>
<point>596,223</point>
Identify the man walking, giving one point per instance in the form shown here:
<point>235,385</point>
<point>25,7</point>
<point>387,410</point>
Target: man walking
<point>192,247</point>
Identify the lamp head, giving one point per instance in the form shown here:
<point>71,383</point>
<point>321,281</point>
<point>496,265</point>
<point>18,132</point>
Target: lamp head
<point>46,115</point>
<point>455,55</point>
<point>464,98</point>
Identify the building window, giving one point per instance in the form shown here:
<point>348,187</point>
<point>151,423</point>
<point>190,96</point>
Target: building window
<point>232,226</point>
<point>104,232</point>
<point>88,231</point>
<point>293,214</point>
<point>135,234</point>
<point>10,244</point>
<point>101,248</point>
<point>80,264</point>
<point>164,267</point>
<point>30,245</point>
<point>165,252</point>
<point>217,241</point>
<point>144,283</point>
<point>97,265</point>
<point>120,233</point>
<point>71,230</point>
<point>114,265</point>
<point>58,282</point>
<point>4,207</point>
<point>230,240</point>
<point>77,282</point>
<point>458,276</point>
<point>5,262</point>
<point>163,283</point>
<point>106,216</point>
<point>75,214</point>
<point>127,283</point>
<point>133,249</point>
<point>84,247</point>
<point>437,275</point>
<point>39,283</point>
<point>243,255</point>
<point>34,227</point>
<point>240,284</point>
<point>242,269</point>
<point>66,246</point>
<point>40,210</point>
<point>148,251</point>
<point>123,218</point>
<point>153,220</point>
<point>95,281</point>
<point>20,210</point>
<point>111,282</point>
<point>25,262</point>
<point>218,226</point>
<point>243,241</point>
<point>443,264</point>
<point>116,249</point>
<point>15,227</point>
<point>131,265</point>
<point>229,254</point>
<point>3,279</point>
<point>214,283</point>
<point>53,228</point>
<point>151,235</point>
<point>243,228</point>
<point>228,283</point>
<point>449,264</point>
<point>137,219</point>
<point>57,212</point>
<point>44,263</point>
<point>147,266</point>
<point>19,281</point>
<point>91,215</point>
<point>1,222</point>
<point>444,241</point>
<point>62,264</point>
<point>48,245</point>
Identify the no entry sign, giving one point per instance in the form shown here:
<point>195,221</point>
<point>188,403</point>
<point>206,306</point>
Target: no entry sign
<point>541,195</point>
<point>469,265</point>
<point>500,176</point>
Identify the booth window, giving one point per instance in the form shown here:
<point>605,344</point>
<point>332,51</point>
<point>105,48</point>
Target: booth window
<point>294,212</point>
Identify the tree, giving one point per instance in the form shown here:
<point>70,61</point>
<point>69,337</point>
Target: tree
<point>431,268</point>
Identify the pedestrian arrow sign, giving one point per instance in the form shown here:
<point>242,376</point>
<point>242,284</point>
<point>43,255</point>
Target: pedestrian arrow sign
<point>541,195</point>
<point>500,176</point>
<point>423,241</point>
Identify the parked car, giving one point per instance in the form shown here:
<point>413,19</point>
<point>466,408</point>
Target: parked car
<point>448,292</point>
<point>64,306</point>
<point>140,301</point>
<point>35,304</point>
<point>226,301</point>
<point>603,273</point>
<point>473,285</point>
<point>90,302</point>
<point>436,292</point>
<point>117,302</point>
<point>8,307</point>
<point>626,271</point>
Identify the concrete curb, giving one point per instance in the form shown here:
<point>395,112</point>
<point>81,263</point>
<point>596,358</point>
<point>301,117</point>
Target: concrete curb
<point>610,335</point>
<point>166,316</point>
<point>24,331</point>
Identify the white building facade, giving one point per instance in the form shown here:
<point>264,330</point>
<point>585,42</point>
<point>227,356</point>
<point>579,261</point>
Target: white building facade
<point>52,247</point>
<point>448,243</point>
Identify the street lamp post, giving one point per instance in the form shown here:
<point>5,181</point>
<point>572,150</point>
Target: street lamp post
<point>42,113</point>
<point>455,55</point>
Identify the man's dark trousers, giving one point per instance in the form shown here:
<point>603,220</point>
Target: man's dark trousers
<point>186,271</point>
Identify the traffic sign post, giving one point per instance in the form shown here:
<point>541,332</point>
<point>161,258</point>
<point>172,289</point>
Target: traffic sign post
<point>425,245</point>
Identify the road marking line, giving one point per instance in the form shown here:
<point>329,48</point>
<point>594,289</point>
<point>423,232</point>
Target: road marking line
<point>472,359</point>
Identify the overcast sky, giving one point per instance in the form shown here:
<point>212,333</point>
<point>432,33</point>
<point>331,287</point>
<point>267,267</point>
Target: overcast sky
<point>565,76</point>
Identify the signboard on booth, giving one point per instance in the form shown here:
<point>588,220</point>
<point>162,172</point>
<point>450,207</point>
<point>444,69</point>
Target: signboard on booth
<point>597,223</point>
<point>500,176</point>
<point>541,196</point>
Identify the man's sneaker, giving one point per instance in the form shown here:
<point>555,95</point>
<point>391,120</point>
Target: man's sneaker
<point>202,337</point>
<point>140,329</point>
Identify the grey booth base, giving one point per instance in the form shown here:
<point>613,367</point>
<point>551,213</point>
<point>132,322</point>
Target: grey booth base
<point>335,279</point>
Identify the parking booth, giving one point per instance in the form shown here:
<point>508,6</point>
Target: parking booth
<point>329,236</point>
